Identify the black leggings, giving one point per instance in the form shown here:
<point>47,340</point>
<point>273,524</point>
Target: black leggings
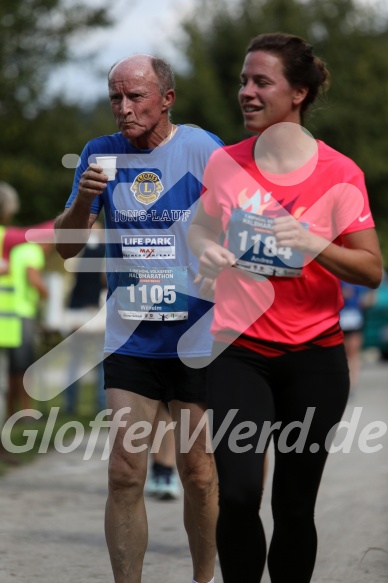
<point>265,391</point>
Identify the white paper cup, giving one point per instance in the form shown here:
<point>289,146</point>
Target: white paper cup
<point>109,165</point>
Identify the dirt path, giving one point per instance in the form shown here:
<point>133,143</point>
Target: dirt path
<point>52,514</point>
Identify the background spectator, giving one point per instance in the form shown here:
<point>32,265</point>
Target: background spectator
<point>27,263</point>
<point>84,303</point>
<point>352,318</point>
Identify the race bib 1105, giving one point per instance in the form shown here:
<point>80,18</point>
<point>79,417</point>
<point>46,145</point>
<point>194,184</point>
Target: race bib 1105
<point>153,294</point>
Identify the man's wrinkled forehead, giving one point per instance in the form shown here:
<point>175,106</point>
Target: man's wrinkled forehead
<point>138,68</point>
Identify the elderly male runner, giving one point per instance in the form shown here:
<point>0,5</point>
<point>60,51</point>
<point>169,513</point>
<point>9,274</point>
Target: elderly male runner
<point>152,300</point>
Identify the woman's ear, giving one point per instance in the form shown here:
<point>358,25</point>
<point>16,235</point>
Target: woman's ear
<point>299,95</point>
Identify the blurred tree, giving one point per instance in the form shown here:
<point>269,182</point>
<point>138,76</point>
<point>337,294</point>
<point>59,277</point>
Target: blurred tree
<point>35,37</point>
<point>38,172</point>
<point>351,38</point>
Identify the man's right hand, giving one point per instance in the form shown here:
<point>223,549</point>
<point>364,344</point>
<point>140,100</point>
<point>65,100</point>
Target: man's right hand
<point>92,182</point>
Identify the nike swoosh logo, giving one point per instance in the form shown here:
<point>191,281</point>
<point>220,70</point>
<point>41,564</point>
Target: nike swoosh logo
<point>362,219</point>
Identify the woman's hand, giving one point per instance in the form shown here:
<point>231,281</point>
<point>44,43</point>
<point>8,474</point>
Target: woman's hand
<point>290,233</point>
<point>214,259</point>
<point>358,260</point>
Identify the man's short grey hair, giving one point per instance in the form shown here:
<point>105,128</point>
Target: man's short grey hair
<point>164,73</point>
<point>162,70</point>
<point>9,200</point>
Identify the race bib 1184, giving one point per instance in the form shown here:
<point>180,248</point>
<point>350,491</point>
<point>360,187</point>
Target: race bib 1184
<point>251,238</point>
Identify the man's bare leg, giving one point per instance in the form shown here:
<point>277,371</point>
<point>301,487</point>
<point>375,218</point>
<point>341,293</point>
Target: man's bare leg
<point>126,527</point>
<point>166,452</point>
<point>198,475</point>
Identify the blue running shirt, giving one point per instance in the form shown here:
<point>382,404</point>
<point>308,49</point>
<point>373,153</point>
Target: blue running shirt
<point>152,300</point>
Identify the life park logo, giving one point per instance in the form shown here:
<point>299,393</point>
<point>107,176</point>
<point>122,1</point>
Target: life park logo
<point>254,246</point>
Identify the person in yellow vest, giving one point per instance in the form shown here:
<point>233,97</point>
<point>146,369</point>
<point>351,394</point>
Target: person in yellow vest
<point>10,323</point>
<point>27,262</point>
<point>11,236</point>
<point>10,329</point>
